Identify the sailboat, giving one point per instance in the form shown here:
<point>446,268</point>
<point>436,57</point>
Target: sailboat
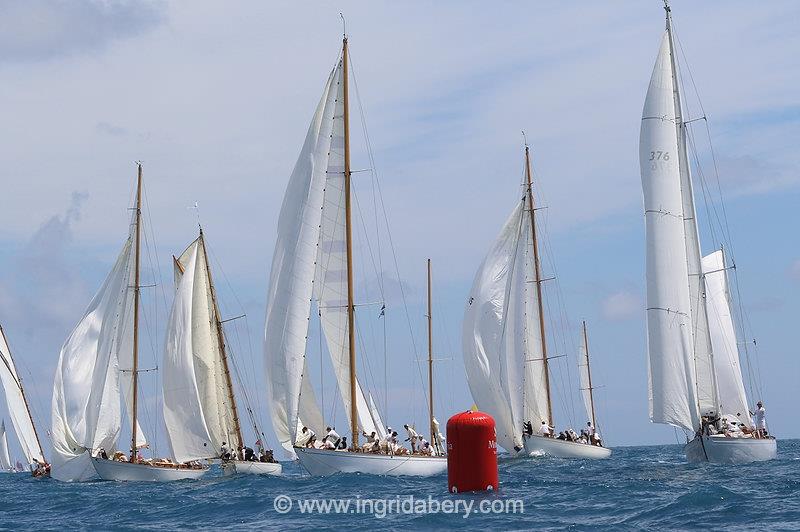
<point>98,364</point>
<point>504,339</point>
<point>20,412</point>
<point>200,410</point>
<point>313,261</point>
<point>694,373</point>
<point>5,458</point>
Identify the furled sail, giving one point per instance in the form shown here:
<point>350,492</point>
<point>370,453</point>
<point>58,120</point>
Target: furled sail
<point>672,375</point>
<point>184,416</point>
<point>208,367</point>
<point>730,385</point>
<point>17,406</point>
<point>492,342</point>
<point>292,276</point>
<point>5,459</point>
<point>86,412</point>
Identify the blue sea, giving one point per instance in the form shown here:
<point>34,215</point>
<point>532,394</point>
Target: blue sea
<point>639,487</point>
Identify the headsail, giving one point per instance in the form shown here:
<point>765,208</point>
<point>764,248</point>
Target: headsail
<point>732,396</point>
<point>194,303</point>
<point>492,345</point>
<point>17,406</point>
<point>184,417</point>
<point>292,276</point>
<point>672,375</point>
<point>86,411</point>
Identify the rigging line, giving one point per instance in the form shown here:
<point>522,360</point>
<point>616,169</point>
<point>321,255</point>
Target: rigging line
<point>725,225</point>
<point>366,238</point>
<point>560,300</point>
<point>251,354</point>
<point>375,193</point>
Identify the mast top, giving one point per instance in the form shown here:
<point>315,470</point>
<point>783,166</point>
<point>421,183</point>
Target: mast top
<point>524,139</point>
<point>344,27</point>
<point>666,6</point>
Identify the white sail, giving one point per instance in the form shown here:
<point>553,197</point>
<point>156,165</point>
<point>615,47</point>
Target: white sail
<point>585,382</point>
<point>492,343</point>
<point>672,375</point>
<point>5,459</point>
<point>523,322</point>
<point>292,276</point>
<point>209,367</point>
<point>17,406</point>
<point>730,385</point>
<point>183,408</point>
<point>380,428</point>
<point>330,281</point>
<point>86,412</point>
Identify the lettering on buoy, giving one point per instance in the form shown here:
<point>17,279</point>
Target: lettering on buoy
<point>471,452</point>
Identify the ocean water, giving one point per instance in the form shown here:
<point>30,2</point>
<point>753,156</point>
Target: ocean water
<point>639,487</point>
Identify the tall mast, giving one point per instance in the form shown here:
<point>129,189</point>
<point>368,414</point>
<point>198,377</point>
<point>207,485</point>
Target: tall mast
<point>697,289</point>
<point>538,280</point>
<point>22,392</point>
<point>221,342</point>
<point>589,373</point>
<point>135,368</point>
<point>430,361</point>
<point>351,333</point>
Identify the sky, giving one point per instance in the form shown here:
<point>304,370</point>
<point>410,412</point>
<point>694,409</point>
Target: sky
<point>215,98</point>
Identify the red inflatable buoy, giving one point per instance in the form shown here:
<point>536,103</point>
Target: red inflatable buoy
<point>471,453</point>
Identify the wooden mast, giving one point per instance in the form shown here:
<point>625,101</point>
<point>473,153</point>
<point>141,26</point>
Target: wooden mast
<point>237,428</point>
<point>135,368</point>
<point>430,362</point>
<point>22,392</point>
<point>351,334</point>
<point>589,373</point>
<point>538,280</point>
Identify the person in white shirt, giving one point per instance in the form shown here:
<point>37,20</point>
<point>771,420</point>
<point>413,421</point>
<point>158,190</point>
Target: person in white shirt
<point>412,437</point>
<point>424,446</point>
<point>595,438</point>
<point>589,428</point>
<point>332,436</point>
<point>546,430</point>
<point>761,419</point>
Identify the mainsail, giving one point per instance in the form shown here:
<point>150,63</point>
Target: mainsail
<point>730,385</point>
<point>17,405</point>
<point>5,459</point>
<point>585,375</point>
<point>671,339</point>
<point>198,402</point>
<point>94,367</point>
<point>310,264</point>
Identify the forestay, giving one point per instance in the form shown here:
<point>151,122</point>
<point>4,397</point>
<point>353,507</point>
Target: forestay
<point>86,412</point>
<point>17,406</point>
<point>672,375</point>
<point>730,385</point>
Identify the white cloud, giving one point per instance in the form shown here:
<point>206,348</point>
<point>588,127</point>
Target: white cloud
<point>622,305</point>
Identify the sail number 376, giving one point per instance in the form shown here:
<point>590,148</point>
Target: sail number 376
<point>659,156</point>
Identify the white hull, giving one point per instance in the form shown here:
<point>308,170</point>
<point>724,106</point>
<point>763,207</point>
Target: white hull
<point>539,445</point>
<point>722,450</point>
<point>126,471</point>
<point>235,467</point>
<point>319,462</point>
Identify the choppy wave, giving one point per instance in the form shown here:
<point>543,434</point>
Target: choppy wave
<point>639,487</point>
